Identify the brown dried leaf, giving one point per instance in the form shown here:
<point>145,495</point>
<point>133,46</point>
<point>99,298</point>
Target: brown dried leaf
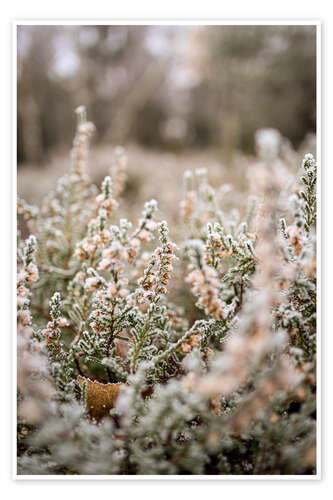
<point>100,397</point>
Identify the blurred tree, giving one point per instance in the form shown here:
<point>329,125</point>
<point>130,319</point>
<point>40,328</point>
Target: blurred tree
<point>257,76</point>
<point>164,86</point>
<point>44,105</point>
<point>108,68</point>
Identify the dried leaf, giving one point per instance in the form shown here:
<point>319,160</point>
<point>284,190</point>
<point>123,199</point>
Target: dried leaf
<point>100,397</point>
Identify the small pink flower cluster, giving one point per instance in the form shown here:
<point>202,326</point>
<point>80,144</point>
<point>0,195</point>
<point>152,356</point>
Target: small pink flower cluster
<point>157,281</point>
<point>157,273</point>
<point>105,200</point>
<point>205,285</point>
<point>143,234</point>
<point>214,249</point>
<point>187,206</point>
<point>53,330</point>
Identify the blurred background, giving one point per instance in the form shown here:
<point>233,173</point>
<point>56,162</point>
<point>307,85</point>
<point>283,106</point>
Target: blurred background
<point>175,96</point>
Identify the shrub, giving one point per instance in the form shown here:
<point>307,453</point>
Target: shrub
<point>114,378</point>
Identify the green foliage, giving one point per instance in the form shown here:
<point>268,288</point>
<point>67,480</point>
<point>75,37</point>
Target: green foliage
<point>115,379</point>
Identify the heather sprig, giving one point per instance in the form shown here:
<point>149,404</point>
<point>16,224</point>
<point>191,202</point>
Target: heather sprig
<point>309,179</point>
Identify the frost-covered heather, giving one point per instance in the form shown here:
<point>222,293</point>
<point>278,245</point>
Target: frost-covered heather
<point>142,355</point>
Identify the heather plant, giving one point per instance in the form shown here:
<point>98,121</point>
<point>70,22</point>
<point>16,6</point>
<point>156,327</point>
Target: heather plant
<point>114,377</point>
